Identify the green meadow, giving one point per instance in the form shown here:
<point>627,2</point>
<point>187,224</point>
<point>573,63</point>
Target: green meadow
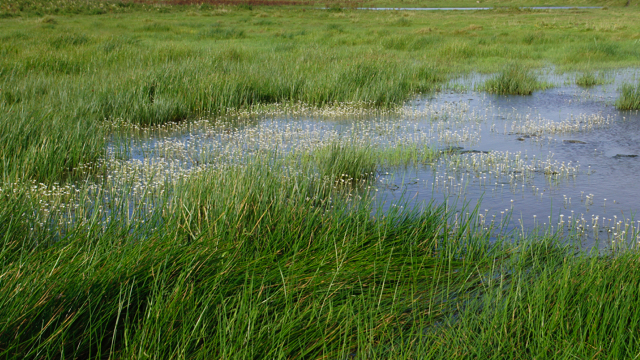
<point>289,255</point>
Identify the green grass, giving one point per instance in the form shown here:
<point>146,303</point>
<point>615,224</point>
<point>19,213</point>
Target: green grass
<point>13,8</point>
<point>589,79</point>
<point>629,97</point>
<point>263,262</point>
<point>347,162</point>
<point>514,80</point>
<point>586,80</point>
<point>146,67</point>
<point>561,311</point>
<point>269,257</point>
<point>251,254</point>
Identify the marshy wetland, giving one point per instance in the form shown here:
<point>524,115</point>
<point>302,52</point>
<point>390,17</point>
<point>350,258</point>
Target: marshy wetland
<point>253,181</point>
<point>536,162</point>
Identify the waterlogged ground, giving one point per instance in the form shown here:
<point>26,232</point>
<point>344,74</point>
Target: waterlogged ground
<point>561,160</point>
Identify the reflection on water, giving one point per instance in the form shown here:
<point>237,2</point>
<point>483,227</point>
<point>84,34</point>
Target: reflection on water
<point>559,157</point>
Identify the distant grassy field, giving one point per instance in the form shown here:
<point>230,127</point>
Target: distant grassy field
<point>75,7</point>
<point>285,257</point>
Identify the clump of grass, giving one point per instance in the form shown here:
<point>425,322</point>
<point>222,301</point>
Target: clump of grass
<point>47,20</point>
<point>408,155</point>
<point>402,22</point>
<point>587,298</point>
<point>117,42</point>
<point>346,162</point>
<point>629,97</point>
<point>588,79</point>
<point>9,97</point>
<point>46,147</point>
<point>69,40</point>
<point>514,80</point>
<point>221,34</point>
<point>534,38</point>
<point>157,27</point>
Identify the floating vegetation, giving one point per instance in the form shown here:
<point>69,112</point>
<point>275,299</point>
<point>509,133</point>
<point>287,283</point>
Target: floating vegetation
<point>575,124</point>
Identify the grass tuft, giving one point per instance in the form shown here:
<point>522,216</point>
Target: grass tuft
<point>346,162</point>
<point>47,20</point>
<point>629,97</point>
<point>69,40</point>
<point>588,79</point>
<point>221,34</point>
<point>514,80</point>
